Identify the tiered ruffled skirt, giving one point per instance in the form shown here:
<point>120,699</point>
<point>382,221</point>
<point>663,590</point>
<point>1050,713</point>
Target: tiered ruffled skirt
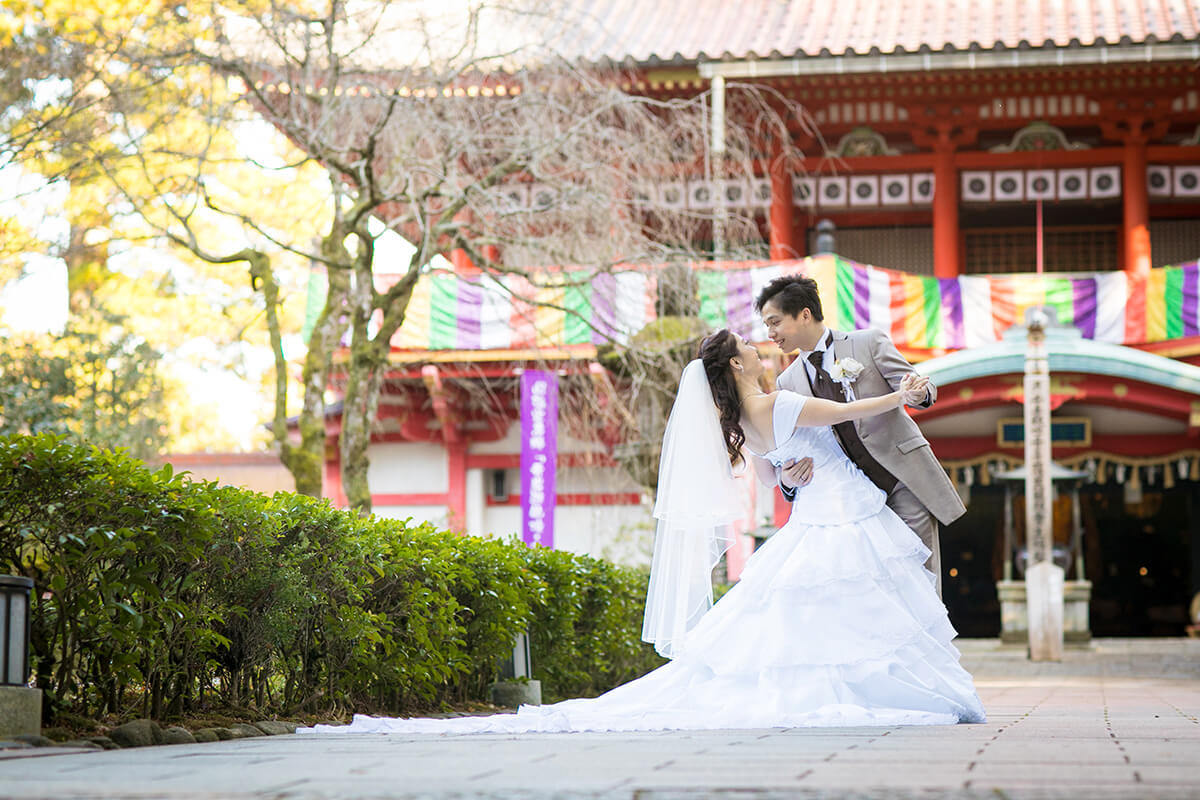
<point>830,625</point>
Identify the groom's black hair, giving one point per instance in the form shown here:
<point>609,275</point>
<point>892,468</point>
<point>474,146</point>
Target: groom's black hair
<point>793,294</point>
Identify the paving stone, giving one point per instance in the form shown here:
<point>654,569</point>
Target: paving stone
<point>1048,740</point>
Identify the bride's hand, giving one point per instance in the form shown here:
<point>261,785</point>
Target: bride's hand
<point>914,389</point>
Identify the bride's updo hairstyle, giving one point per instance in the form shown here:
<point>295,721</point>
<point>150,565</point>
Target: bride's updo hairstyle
<point>715,352</point>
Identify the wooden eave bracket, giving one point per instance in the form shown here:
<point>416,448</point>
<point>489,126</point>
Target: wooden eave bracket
<point>439,394</point>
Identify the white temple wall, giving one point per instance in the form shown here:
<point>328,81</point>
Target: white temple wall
<point>614,531</point>
<point>435,514</point>
<point>408,467</point>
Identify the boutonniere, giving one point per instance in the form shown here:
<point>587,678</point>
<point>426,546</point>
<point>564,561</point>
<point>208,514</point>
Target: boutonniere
<point>845,371</point>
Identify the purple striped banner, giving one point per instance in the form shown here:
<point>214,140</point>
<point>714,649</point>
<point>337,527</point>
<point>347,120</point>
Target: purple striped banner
<point>470,309</point>
<point>604,307</point>
<point>739,302</point>
<point>953,333</point>
<point>862,297</point>
<point>1191,299</point>
<point>1084,306</point>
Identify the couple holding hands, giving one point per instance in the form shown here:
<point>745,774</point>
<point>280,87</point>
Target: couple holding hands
<point>837,619</point>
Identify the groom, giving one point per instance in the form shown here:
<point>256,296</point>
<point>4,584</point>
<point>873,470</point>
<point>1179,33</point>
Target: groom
<point>889,448</point>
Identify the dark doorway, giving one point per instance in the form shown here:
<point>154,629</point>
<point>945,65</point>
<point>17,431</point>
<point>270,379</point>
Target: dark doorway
<point>1141,559</point>
<point>971,564</point>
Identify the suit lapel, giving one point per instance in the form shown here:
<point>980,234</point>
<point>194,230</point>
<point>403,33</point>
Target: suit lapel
<point>796,380</point>
<point>842,346</point>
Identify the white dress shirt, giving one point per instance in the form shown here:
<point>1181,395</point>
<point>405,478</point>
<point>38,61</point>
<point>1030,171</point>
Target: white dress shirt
<point>824,346</point>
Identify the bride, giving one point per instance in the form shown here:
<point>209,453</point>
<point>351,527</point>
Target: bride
<point>835,621</point>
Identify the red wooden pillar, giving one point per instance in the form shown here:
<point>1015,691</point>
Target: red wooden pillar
<point>950,131</point>
<point>1136,227</point>
<point>456,497</point>
<point>945,213</point>
<point>463,265</point>
<point>783,235</point>
<point>332,488</point>
<point>783,509</point>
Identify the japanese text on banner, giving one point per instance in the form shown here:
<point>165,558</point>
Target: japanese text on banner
<point>539,448</point>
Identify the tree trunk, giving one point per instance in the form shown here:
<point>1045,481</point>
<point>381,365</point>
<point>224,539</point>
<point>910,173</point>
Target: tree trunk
<point>363,381</point>
<point>366,367</point>
<point>306,474</point>
<point>305,459</point>
<point>364,377</point>
<point>87,268</point>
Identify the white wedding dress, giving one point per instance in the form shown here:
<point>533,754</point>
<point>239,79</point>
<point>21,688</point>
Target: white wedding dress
<point>835,622</point>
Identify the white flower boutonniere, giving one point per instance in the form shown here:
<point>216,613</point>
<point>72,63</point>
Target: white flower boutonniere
<point>845,371</point>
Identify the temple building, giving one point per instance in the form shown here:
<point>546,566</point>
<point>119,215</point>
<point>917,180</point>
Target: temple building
<point>967,161</point>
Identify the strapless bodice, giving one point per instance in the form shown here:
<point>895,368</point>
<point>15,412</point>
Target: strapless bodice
<point>839,491</point>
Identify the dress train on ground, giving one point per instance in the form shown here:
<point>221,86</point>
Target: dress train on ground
<point>835,622</point>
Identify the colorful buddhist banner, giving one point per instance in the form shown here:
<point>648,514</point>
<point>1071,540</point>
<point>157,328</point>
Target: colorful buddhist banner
<point>539,455</point>
<point>450,312</point>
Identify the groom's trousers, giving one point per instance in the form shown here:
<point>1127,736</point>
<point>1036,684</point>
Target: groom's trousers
<point>923,524</point>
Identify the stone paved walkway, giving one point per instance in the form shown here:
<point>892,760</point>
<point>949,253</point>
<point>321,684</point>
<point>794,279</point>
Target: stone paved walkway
<point>1097,726</point>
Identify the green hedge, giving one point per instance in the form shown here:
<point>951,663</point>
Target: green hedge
<point>157,595</point>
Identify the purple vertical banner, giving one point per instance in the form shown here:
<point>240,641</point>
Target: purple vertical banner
<point>539,455</point>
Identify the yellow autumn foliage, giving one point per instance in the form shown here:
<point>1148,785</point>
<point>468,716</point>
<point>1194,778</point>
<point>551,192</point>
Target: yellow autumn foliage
<point>138,144</point>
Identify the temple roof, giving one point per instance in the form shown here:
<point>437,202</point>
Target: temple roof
<point>1067,351</point>
<point>684,31</point>
<point>946,34</point>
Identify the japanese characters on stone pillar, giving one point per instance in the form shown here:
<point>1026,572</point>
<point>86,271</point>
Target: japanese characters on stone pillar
<point>1043,579</point>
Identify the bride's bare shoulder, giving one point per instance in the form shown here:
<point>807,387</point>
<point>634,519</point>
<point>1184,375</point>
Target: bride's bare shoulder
<point>760,407</point>
<point>761,402</point>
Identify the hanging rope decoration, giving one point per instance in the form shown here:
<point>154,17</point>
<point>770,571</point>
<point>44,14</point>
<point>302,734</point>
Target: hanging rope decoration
<point>1164,471</point>
<point>980,470</point>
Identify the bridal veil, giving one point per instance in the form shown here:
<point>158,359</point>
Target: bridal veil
<point>697,501</point>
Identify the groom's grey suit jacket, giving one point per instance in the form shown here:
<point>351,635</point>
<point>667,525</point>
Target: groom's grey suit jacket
<point>892,438</point>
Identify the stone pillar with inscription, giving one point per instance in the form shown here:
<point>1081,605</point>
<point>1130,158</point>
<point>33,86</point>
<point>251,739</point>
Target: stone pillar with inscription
<point>1043,578</point>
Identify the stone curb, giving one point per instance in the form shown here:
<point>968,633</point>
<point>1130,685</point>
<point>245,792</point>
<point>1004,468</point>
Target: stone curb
<point>148,733</point>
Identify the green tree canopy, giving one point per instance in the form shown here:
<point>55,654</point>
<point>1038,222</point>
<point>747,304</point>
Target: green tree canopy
<point>96,382</point>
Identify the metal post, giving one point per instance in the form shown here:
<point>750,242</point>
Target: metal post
<point>718,158</point>
<point>515,685</point>
<point>825,243</point>
<point>1008,532</point>
<point>1077,534</point>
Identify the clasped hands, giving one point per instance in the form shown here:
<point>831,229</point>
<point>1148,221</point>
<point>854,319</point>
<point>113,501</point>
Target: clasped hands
<point>914,388</point>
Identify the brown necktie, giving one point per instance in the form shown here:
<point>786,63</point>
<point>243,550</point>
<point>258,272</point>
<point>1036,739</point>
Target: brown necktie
<point>826,388</point>
<point>823,385</point>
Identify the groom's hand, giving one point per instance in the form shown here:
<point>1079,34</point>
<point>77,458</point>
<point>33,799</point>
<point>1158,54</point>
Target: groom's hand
<point>796,473</point>
<point>915,389</point>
